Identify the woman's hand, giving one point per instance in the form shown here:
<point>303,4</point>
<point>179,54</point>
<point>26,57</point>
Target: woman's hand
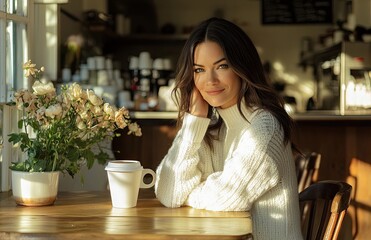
<point>198,107</point>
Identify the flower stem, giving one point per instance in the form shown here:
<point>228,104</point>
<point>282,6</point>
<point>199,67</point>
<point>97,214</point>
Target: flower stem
<point>55,160</point>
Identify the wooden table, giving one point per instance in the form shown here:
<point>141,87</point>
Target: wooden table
<point>90,215</point>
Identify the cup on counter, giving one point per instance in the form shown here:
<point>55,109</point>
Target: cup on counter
<point>145,60</point>
<point>124,99</point>
<point>125,178</point>
<point>133,63</point>
<point>158,64</point>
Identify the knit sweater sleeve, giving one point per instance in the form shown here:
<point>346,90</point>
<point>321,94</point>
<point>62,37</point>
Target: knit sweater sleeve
<point>178,173</point>
<point>249,172</point>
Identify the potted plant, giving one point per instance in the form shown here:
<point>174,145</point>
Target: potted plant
<point>61,133</point>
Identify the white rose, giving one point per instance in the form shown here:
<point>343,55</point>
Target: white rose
<point>39,113</point>
<point>97,110</point>
<point>94,99</point>
<point>134,128</point>
<point>43,88</point>
<point>120,120</point>
<point>109,110</point>
<point>84,115</point>
<point>75,91</point>
<point>53,110</point>
<point>80,124</point>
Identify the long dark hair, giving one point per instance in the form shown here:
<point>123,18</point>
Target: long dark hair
<point>243,58</point>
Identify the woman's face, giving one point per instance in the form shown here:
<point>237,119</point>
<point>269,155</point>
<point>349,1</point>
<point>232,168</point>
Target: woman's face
<point>217,82</point>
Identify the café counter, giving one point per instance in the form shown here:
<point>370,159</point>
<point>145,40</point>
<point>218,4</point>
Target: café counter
<point>306,116</point>
<point>337,137</point>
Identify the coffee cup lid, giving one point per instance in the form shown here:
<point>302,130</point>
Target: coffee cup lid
<point>123,165</point>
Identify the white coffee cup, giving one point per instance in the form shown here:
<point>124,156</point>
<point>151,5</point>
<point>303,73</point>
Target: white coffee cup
<point>125,178</point>
<point>133,63</point>
<point>145,60</point>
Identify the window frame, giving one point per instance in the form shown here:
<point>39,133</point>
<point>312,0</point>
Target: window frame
<point>9,113</point>
<point>36,20</point>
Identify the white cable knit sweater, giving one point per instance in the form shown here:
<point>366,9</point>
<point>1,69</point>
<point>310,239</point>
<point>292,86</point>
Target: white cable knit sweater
<point>249,169</point>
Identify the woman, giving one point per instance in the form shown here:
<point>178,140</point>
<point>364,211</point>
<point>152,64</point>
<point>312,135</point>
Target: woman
<point>233,150</point>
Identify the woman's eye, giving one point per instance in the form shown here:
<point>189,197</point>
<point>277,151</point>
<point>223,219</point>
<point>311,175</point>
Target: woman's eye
<point>198,70</point>
<point>223,66</point>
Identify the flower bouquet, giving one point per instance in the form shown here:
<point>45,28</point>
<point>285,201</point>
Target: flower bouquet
<point>63,131</point>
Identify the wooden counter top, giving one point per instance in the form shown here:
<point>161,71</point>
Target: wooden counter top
<point>89,215</point>
<point>306,116</point>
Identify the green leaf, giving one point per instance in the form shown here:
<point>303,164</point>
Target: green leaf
<point>102,157</point>
<point>14,138</point>
<point>18,166</point>
<point>12,103</point>
<point>89,156</point>
<point>20,124</point>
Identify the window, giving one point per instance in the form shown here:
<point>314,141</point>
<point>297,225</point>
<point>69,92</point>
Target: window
<point>18,22</point>
<point>14,34</point>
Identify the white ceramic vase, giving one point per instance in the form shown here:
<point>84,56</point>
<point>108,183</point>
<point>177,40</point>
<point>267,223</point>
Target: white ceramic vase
<point>35,188</point>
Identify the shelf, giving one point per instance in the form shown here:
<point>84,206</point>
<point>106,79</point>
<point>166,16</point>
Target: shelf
<point>329,53</point>
<point>323,54</point>
<point>155,37</point>
<point>144,37</point>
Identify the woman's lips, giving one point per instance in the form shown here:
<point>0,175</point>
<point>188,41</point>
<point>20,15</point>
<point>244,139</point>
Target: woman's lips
<point>214,92</point>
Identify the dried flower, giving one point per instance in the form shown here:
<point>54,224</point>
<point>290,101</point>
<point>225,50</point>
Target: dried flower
<point>66,127</point>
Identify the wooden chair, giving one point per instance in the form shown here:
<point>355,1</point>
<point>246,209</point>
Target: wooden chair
<point>307,168</point>
<point>323,206</point>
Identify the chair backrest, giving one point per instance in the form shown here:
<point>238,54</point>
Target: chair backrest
<point>307,168</point>
<point>323,207</point>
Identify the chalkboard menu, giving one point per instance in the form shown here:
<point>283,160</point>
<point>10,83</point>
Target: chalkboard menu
<point>296,11</point>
